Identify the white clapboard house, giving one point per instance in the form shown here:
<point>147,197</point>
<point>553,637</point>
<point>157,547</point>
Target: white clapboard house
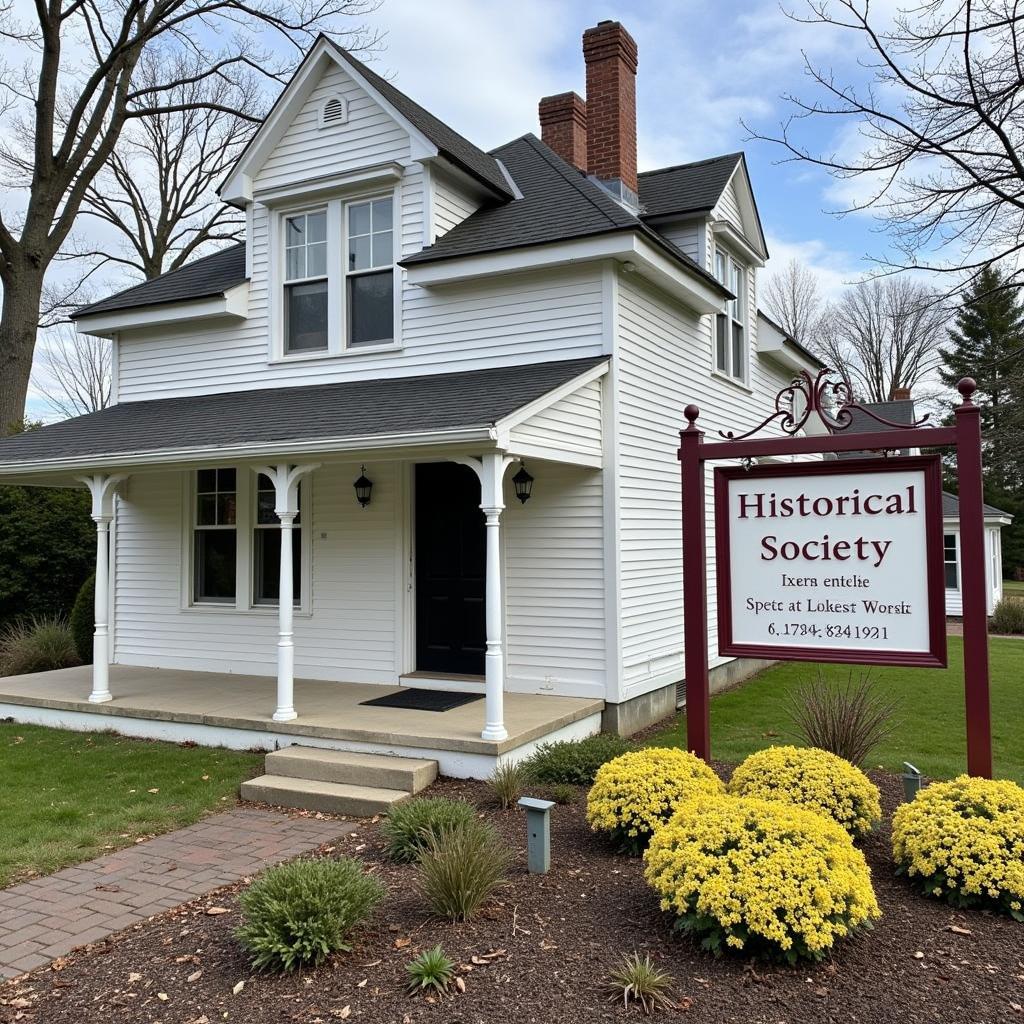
<point>435,397</point>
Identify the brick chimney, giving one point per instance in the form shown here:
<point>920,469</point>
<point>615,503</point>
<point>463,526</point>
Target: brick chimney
<point>611,57</point>
<point>901,394</point>
<point>563,126</point>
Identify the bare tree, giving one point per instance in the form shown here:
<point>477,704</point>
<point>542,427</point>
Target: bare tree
<point>76,372</point>
<point>70,83</point>
<point>792,299</point>
<point>941,126</point>
<point>884,335</point>
<point>158,190</point>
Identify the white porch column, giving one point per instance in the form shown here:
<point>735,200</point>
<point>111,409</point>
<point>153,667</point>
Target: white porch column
<point>285,479</point>
<point>102,488</point>
<point>491,470</point>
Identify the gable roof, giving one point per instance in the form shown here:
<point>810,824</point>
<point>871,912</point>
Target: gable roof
<point>686,188</point>
<point>558,203</point>
<point>951,508</point>
<point>203,278</point>
<point>450,144</point>
<point>352,410</point>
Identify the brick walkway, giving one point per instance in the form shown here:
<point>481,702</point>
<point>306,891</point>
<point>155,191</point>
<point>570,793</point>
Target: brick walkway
<point>47,917</point>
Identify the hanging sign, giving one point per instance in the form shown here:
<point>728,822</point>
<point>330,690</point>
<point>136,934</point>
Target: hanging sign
<point>837,561</point>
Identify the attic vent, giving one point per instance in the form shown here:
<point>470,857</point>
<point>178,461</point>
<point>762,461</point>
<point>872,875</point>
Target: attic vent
<point>333,112</point>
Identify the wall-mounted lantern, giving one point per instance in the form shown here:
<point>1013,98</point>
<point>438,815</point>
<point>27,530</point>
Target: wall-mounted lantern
<point>363,488</point>
<point>523,483</point>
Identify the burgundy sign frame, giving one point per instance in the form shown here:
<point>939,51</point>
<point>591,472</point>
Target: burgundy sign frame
<point>833,405</point>
<point>934,657</point>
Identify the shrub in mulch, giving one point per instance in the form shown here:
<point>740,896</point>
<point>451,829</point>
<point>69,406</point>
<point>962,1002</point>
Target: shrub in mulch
<point>963,841</point>
<point>636,793</point>
<point>574,762</point>
<point>813,779</point>
<point>461,867</point>
<point>297,914</point>
<point>409,825</point>
<point>760,877</point>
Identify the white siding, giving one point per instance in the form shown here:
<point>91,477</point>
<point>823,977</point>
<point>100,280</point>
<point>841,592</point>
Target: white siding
<point>664,363</point>
<point>685,234</point>
<point>554,568</point>
<point>728,207</point>
<point>993,570</point>
<point>370,136</point>
<point>352,633</point>
<point>573,424</point>
<point>452,204</point>
<point>521,318</point>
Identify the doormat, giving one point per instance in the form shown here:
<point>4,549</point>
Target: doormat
<point>414,699</point>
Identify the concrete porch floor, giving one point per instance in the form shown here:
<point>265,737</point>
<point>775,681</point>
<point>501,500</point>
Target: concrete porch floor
<point>328,711</point>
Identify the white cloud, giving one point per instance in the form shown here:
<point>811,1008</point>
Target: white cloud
<point>834,267</point>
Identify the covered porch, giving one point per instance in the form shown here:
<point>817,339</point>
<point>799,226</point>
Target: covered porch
<point>237,711</point>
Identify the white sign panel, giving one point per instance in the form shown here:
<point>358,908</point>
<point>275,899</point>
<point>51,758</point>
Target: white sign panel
<point>832,561</point>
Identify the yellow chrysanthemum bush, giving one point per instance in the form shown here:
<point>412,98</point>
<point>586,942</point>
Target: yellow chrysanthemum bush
<point>760,876</point>
<point>813,779</point>
<point>963,841</point>
<point>637,792</point>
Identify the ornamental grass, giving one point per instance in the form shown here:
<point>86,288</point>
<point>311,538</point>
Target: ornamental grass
<point>813,779</point>
<point>760,877</point>
<point>963,841</point>
<point>633,795</point>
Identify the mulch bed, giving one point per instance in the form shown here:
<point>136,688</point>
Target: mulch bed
<point>540,954</point>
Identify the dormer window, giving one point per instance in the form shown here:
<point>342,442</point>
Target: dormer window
<point>731,325</point>
<point>337,278</point>
<point>306,293</point>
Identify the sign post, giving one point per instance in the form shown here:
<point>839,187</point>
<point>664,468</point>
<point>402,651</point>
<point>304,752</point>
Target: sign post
<point>837,561</point>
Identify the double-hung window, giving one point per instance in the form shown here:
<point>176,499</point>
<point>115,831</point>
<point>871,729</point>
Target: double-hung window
<point>339,277</point>
<point>266,547</point>
<point>369,273</point>
<point>306,290</point>
<point>951,566</point>
<point>215,543</point>
<point>730,326</point>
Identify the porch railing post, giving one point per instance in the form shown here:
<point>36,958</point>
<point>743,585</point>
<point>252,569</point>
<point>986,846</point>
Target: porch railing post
<point>102,488</point>
<point>285,479</point>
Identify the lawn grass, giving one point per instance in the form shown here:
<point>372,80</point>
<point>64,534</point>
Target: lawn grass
<point>930,733</point>
<point>1013,588</point>
<point>66,797</point>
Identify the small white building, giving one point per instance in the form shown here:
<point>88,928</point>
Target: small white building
<point>435,395</point>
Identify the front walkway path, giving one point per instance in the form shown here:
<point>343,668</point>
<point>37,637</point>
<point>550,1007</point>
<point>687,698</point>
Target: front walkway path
<point>47,917</point>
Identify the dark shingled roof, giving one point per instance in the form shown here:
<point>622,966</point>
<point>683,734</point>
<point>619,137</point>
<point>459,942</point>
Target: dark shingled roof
<point>558,203</point>
<point>951,508</point>
<point>900,411</point>
<point>686,188</point>
<point>449,142</point>
<point>200,279</point>
<point>322,412</point>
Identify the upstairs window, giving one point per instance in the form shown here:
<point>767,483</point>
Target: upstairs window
<point>951,566</point>
<point>306,289</point>
<point>369,273</point>
<point>215,540</point>
<point>730,326</point>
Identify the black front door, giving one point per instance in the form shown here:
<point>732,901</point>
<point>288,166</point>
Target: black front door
<point>450,551</point>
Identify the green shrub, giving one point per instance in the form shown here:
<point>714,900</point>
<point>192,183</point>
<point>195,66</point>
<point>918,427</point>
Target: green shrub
<point>563,793</point>
<point>636,979</point>
<point>410,824</point>
<point>36,645</point>
<point>431,970</point>
<point>461,867</point>
<point>83,619</point>
<point>297,914</point>
<point>1008,616</point>
<point>507,782</point>
<point>575,762</point>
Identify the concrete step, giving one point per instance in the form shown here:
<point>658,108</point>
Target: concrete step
<point>348,767</point>
<point>315,795</point>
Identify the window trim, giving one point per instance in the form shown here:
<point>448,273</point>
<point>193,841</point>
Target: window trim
<point>287,282</point>
<point>337,328</point>
<point>736,314</point>
<point>245,515</point>
<point>349,274</point>
<point>955,561</point>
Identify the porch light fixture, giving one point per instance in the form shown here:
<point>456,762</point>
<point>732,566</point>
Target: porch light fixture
<point>523,484</point>
<point>363,488</point>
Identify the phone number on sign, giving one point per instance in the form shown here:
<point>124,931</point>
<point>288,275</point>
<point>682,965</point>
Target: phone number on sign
<point>830,632</point>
